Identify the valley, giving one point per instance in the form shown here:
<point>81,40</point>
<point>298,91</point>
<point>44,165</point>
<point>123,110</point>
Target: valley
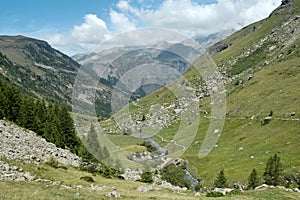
<point>199,133</point>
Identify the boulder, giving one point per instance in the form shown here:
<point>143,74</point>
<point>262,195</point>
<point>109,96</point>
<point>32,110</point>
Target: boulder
<point>262,187</point>
<point>224,191</point>
<point>220,47</point>
<point>113,194</point>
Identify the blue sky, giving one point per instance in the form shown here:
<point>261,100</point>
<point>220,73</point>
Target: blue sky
<point>73,26</point>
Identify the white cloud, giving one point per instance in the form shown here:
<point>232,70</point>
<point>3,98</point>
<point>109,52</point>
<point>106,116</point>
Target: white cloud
<point>82,38</point>
<point>120,22</point>
<point>184,16</point>
<point>189,17</point>
<point>91,31</point>
<point>123,6</point>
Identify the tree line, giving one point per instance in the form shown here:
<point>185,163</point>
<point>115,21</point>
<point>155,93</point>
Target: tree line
<point>51,121</point>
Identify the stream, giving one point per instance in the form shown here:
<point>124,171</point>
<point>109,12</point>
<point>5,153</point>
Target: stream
<point>162,151</point>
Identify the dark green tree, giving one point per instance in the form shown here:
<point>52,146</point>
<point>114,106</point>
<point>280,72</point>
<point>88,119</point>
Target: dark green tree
<point>273,171</point>
<point>40,116</point>
<point>175,175</point>
<point>220,181</point>
<point>146,177</point>
<point>1,113</point>
<point>52,121</point>
<point>66,126</point>
<point>253,180</point>
<point>26,114</point>
<point>10,102</point>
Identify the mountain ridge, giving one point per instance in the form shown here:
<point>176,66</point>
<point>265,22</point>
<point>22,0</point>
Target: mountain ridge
<point>36,68</point>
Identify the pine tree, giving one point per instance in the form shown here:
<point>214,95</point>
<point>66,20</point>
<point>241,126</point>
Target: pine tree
<point>67,128</point>
<point>11,102</point>
<point>93,143</point>
<point>26,114</point>
<point>221,181</point>
<point>40,111</point>
<point>253,180</point>
<point>273,171</point>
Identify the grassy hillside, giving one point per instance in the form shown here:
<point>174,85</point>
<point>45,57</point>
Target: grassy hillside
<point>261,69</point>
<point>68,185</point>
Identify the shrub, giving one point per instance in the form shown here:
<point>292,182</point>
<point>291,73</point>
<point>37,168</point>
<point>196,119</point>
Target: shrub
<point>234,192</point>
<point>148,146</point>
<point>146,177</point>
<point>214,194</point>
<point>107,172</point>
<point>175,176</point>
<point>198,186</point>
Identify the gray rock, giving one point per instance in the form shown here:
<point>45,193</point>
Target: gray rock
<point>114,194</point>
<point>18,144</point>
<point>293,114</point>
<point>240,149</point>
<point>262,187</point>
<point>224,191</point>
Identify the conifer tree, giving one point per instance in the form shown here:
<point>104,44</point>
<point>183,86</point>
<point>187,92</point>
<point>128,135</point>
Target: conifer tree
<point>273,171</point>
<point>221,181</point>
<point>26,114</point>
<point>67,128</point>
<point>253,180</point>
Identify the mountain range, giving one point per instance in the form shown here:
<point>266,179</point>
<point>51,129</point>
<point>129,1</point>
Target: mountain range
<point>259,67</point>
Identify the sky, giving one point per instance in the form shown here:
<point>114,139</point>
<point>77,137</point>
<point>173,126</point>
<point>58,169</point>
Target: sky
<point>76,26</point>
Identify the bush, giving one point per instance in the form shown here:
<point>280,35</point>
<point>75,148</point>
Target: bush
<point>107,172</point>
<point>214,194</point>
<point>146,177</point>
<point>148,146</point>
<point>235,192</point>
<point>175,176</point>
<point>98,168</point>
<point>198,187</point>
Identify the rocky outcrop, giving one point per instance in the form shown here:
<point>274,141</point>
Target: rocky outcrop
<point>132,175</point>
<point>220,47</point>
<point>14,173</point>
<point>22,145</point>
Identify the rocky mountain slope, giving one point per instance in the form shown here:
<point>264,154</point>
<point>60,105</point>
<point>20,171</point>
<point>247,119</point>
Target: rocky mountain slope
<point>21,145</point>
<point>40,71</point>
<point>260,68</point>
<point>36,68</point>
<point>111,66</point>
